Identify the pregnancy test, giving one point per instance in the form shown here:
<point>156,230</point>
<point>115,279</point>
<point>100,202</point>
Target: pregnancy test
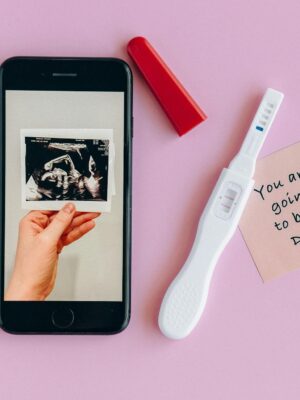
<point>185,299</point>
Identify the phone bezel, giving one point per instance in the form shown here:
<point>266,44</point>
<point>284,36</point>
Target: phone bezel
<point>78,74</point>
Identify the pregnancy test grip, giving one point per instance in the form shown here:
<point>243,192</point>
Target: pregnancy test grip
<point>186,297</point>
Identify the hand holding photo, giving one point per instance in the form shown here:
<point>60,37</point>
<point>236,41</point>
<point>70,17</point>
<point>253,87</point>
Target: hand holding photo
<point>63,165</point>
<point>36,260</point>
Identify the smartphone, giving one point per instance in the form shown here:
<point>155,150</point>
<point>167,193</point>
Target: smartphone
<point>66,138</point>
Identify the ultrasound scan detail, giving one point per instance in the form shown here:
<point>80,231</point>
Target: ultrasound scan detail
<point>66,169</point>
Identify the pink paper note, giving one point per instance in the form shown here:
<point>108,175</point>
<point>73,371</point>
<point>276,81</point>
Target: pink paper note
<point>271,222</point>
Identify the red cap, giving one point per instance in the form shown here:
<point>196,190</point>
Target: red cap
<point>182,110</point>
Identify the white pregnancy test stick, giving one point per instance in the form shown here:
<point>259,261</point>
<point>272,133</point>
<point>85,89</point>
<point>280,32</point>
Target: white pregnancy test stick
<point>186,297</point>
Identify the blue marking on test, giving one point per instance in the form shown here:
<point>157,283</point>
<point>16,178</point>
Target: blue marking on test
<point>259,128</point>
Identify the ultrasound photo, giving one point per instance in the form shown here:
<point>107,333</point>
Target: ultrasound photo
<point>62,169</point>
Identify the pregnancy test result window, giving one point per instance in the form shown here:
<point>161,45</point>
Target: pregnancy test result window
<point>68,146</point>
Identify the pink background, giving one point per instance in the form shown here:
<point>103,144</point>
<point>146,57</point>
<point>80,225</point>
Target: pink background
<point>226,53</point>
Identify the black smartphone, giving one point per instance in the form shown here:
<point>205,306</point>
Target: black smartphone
<point>66,140</point>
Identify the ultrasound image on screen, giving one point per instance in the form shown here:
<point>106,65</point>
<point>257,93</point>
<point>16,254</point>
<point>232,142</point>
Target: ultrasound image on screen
<point>66,169</point>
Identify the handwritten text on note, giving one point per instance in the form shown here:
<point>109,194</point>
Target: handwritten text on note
<point>271,222</point>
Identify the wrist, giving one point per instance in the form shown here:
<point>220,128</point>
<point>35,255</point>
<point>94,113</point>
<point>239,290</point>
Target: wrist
<point>18,290</point>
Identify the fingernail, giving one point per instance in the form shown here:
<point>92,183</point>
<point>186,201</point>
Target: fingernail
<point>92,223</point>
<point>69,208</point>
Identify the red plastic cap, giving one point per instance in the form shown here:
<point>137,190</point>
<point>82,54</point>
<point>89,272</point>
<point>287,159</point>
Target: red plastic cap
<point>182,110</point>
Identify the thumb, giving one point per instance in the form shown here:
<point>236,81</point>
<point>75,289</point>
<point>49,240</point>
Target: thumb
<point>60,222</point>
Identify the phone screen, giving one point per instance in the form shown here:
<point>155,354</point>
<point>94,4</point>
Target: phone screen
<point>68,146</point>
